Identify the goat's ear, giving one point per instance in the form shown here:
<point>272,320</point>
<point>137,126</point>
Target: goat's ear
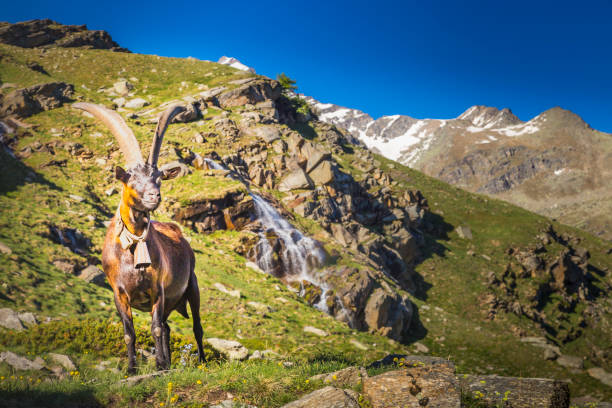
<point>121,175</point>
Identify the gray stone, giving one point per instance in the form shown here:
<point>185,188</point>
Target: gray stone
<point>93,274</point>
<point>268,134</point>
<point>64,266</point>
<point>9,319</point>
<point>222,288</point>
<point>570,361</point>
<point>601,374</point>
<point>421,348</point>
<point>28,319</point>
<point>315,158</point>
<point>120,102</point>
<point>136,103</point>
<point>464,232</point>
<point>549,354</point>
<point>230,348</point>
<point>295,180</point>
<point>231,404</point>
<point>4,249</point>
<point>122,87</point>
<point>357,344</point>
<point>315,331</point>
<point>63,360</point>
<point>322,174</point>
<point>279,146</point>
<point>137,379</point>
<point>328,397</point>
<point>18,362</point>
<point>521,392</point>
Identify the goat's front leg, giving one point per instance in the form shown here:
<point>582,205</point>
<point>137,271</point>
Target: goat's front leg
<point>162,359</point>
<point>122,302</point>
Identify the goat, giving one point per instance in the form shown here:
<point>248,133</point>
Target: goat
<point>149,265</point>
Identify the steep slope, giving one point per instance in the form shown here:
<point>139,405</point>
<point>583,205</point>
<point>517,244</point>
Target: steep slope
<point>404,279</point>
<point>553,164</point>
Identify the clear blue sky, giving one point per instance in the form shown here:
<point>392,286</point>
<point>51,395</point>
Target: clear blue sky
<point>424,59</point>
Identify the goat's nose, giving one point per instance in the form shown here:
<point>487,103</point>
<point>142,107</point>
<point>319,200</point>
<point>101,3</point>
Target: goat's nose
<point>154,195</point>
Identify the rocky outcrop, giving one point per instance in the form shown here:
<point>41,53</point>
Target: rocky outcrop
<point>253,92</point>
<point>39,33</point>
<point>34,99</point>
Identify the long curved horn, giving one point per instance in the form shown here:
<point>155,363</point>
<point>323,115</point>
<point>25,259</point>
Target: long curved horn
<point>124,135</point>
<point>162,124</point>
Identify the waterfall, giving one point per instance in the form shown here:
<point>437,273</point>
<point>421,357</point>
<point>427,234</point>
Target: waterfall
<point>299,254</point>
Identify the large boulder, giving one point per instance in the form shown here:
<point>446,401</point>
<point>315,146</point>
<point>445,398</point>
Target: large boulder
<point>328,397</point>
<point>93,274</point>
<point>250,93</point>
<point>34,99</point>
<point>9,319</point>
<point>21,363</point>
<point>297,179</point>
<point>388,313</point>
<point>418,385</point>
<point>519,392</point>
<point>322,174</point>
<point>46,32</point>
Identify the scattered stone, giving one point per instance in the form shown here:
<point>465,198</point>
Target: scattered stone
<point>570,362</point>
<point>137,379</point>
<point>122,87</point>
<point>28,319</point>
<point>5,249</point>
<point>20,363</point>
<point>260,307</point>
<point>77,198</point>
<point>230,348</point>
<point>347,377</point>
<point>549,354</point>
<point>421,348</point>
<point>63,360</point>
<point>520,392</point>
<point>136,103</point>
<point>9,319</point>
<point>256,355</point>
<point>222,288</point>
<point>120,102</point>
<point>315,331</point>
<point>93,274</point>
<point>64,266</point>
<point>415,386</point>
<point>229,403</point>
<point>601,374</point>
<point>464,232</point>
<point>254,266</point>
<point>111,191</point>
<point>328,397</point>
<point>358,344</point>
<point>295,180</point>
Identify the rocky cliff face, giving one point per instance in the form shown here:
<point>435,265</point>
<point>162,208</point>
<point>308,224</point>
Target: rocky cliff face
<point>554,164</point>
<point>41,33</point>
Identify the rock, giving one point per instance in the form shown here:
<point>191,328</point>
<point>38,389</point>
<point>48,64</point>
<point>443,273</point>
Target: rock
<point>64,266</point>
<point>322,174</point>
<point>347,377</point>
<point>570,362</point>
<point>295,142</point>
<point>28,319</point>
<point>4,249</point>
<point>358,344</point>
<point>229,403</point>
<point>137,379</point>
<point>222,288</point>
<point>120,102</point>
<point>260,307</point>
<point>415,386</point>
<point>342,235</point>
<point>328,397</point>
<point>122,88</point>
<point>388,313</point>
<point>191,113</point>
<point>136,103</point>
<point>296,179</point>
<point>316,157</point>
<point>601,374</point>
<point>252,92</point>
<point>9,319</point>
<point>268,134</point>
<point>521,392</point>
<point>279,146</point>
<point>34,99</point>
<point>230,348</point>
<point>63,360</point>
<point>18,362</point>
<point>421,348</point>
<point>93,274</point>
<point>174,169</point>
<point>112,190</point>
<point>255,267</point>
<point>464,232</point>
<point>77,198</point>
<point>46,32</point>
<point>314,330</point>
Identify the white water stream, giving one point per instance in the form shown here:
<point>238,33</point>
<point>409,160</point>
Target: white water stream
<point>300,254</point>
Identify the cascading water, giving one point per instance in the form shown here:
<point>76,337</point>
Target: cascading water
<point>299,255</point>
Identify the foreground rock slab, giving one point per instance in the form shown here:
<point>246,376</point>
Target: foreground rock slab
<point>518,392</point>
<point>418,385</point>
<point>230,348</point>
<point>328,397</point>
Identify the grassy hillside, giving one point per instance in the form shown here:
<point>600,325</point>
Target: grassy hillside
<point>57,186</point>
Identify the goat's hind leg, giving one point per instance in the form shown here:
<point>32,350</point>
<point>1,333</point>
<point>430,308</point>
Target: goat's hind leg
<point>193,297</point>
<point>125,312</point>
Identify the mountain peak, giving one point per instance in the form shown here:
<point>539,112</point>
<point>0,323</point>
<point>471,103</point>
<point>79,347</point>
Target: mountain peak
<point>489,117</point>
<point>234,63</point>
<point>563,117</point>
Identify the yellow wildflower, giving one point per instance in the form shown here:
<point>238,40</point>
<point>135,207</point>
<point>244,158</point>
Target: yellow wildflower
<point>199,382</point>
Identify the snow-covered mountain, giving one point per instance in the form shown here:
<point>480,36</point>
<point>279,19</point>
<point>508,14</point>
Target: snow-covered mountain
<point>234,63</point>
